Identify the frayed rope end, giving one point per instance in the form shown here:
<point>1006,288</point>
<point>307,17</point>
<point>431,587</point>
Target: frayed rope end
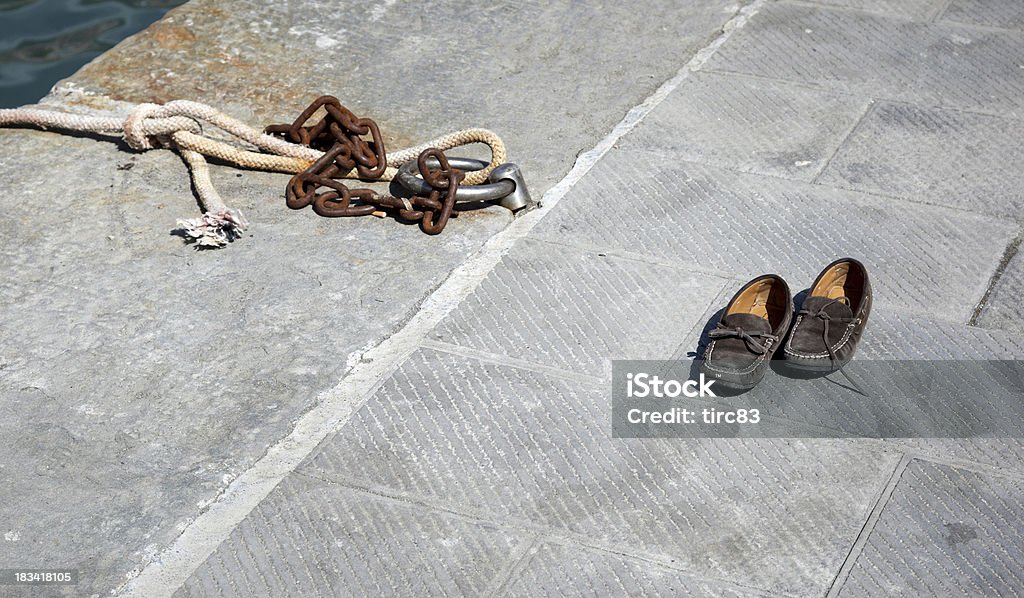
<point>213,229</point>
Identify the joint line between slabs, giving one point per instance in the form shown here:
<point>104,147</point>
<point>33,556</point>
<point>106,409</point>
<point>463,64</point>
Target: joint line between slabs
<point>869,526</point>
<point>871,103</point>
<point>1008,254</point>
<point>940,10</point>
<point>518,560</point>
<point>980,468</point>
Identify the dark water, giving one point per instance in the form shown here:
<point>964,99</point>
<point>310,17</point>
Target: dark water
<point>43,41</point>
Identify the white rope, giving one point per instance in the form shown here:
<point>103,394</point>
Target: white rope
<point>178,125</point>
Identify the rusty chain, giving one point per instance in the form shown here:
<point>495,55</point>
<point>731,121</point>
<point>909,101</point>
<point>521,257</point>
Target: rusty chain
<point>352,143</point>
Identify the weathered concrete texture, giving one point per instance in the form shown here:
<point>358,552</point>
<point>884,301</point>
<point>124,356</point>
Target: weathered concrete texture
<point>1008,14</point>
<point>522,69</point>
<point>944,532</point>
<point>138,376</point>
<point>312,538</point>
<point>535,449</point>
<point>932,64</point>
<point>900,335</point>
<point>968,161</point>
<point>567,570</point>
<point>749,124</point>
<point>1004,309</point>
<point>915,9</point>
<point>649,204</point>
<point>577,310</point>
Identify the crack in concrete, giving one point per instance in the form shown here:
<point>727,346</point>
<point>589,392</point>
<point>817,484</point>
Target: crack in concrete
<point>869,525</point>
<point>1004,261</point>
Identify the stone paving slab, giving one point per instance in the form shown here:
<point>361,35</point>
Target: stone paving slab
<point>969,161</point>
<point>526,70</point>
<point>439,429</point>
<point>1003,309</point>
<point>311,538</point>
<point>751,125</point>
<point>577,310</point>
<point>137,376</point>
<point>567,570</point>
<point>1007,14</point>
<point>747,225</point>
<point>944,532</point>
<point>942,65</point>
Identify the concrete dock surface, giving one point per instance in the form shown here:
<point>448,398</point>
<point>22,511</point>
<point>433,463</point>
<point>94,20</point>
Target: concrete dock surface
<point>349,407</point>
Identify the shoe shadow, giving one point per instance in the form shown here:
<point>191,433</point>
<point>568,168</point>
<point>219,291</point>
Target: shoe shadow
<point>778,363</point>
<point>720,391</point>
<point>783,368</point>
<point>799,298</point>
<point>703,342</point>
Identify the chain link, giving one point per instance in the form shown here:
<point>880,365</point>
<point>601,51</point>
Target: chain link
<point>352,143</point>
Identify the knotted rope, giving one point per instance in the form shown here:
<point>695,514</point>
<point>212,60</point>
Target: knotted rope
<point>178,125</point>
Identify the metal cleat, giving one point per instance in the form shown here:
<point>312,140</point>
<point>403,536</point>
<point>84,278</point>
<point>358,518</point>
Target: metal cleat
<point>519,198</point>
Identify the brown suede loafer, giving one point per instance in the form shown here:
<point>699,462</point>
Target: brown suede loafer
<point>748,333</point>
<point>832,318</point>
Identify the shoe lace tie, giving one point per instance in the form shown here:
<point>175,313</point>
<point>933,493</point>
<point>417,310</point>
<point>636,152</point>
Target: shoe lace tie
<point>825,317</point>
<point>750,338</point>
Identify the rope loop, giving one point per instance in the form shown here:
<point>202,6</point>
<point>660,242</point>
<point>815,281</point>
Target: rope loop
<point>134,135</point>
<point>149,126</point>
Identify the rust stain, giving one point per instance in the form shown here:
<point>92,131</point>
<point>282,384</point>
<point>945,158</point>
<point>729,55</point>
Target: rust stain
<point>213,11</point>
<point>215,78</point>
<point>170,36</point>
<point>187,55</point>
<point>89,101</point>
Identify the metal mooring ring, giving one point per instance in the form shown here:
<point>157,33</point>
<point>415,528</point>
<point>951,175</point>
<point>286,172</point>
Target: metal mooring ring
<point>408,177</point>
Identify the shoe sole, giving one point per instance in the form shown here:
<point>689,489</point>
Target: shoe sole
<point>786,365</point>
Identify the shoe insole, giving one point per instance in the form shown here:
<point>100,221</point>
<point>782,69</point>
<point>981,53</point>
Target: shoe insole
<point>758,300</point>
<point>833,285</point>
